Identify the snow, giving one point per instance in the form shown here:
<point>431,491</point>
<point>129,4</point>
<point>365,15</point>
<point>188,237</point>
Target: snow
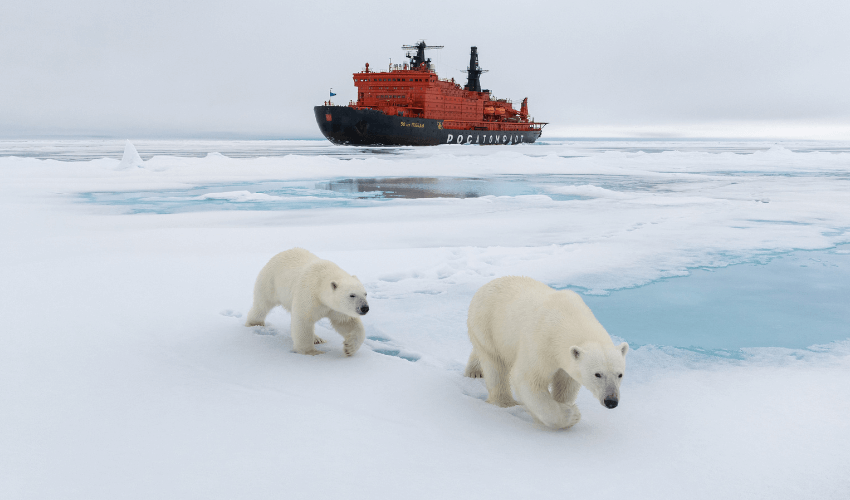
<point>125,370</point>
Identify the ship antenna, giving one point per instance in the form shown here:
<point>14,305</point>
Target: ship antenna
<point>419,59</point>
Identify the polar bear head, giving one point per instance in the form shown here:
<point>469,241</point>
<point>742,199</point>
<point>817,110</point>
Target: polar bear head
<point>601,370</point>
<point>347,296</point>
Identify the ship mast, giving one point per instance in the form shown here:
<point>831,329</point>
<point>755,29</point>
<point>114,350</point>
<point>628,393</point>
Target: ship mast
<point>419,59</point>
<point>473,80</point>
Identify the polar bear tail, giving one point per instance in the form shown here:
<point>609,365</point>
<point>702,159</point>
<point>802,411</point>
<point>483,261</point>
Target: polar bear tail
<point>473,366</point>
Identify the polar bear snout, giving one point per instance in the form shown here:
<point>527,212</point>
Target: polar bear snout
<point>610,402</point>
<point>363,309</point>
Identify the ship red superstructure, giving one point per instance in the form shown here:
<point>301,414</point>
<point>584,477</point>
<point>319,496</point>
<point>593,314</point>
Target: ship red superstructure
<point>414,90</point>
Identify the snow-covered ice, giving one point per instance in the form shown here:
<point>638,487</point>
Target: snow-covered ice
<point>125,371</point>
<point>131,157</point>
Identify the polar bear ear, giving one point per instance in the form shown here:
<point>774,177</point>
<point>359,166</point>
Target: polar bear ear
<point>333,285</point>
<point>624,348</point>
<point>575,351</point>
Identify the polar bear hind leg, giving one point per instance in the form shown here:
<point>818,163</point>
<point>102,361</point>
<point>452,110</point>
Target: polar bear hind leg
<point>473,366</point>
<point>496,375</point>
<point>259,310</point>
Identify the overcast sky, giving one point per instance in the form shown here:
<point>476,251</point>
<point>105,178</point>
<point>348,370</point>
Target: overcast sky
<point>255,69</point>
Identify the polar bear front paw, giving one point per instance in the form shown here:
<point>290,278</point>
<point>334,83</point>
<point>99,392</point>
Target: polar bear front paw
<point>350,348</point>
<point>503,402</point>
<point>571,415</point>
<point>561,416</point>
<point>318,340</point>
<point>310,352</point>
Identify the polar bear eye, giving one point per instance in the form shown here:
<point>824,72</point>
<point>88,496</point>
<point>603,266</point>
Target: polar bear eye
<point>598,375</point>
<point>352,295</point>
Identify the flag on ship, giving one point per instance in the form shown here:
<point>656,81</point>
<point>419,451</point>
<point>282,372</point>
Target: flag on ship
<point>332,93</point>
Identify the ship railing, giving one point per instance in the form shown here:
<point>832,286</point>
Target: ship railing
<point>390,70</point>
<point>515,126</point>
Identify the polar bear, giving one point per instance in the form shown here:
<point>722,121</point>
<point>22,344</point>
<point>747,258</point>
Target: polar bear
<point>310,289</point>
<point>544,344</point>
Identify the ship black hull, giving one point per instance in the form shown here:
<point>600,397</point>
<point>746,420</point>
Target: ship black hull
<point>365,127</point>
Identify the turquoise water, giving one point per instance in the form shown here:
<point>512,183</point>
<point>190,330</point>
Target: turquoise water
<point>793,301</point>
<point>335,193</point>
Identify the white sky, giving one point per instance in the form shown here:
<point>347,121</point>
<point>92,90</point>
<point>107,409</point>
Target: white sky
<point>255,69</point>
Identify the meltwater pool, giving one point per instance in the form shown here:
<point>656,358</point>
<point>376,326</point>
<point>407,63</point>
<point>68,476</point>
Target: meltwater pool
<point>794,300</point>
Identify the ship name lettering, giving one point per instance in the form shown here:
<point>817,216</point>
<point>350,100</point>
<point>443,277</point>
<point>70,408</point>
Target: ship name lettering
<point>450,139</point>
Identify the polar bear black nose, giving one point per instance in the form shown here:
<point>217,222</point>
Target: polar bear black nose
<point>610,403</point>
<point>364,310</point>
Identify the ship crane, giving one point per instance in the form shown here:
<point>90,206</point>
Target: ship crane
<point>419,59</point>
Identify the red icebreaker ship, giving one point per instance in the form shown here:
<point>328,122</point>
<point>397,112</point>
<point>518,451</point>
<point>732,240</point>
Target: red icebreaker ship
<point>408,105</point>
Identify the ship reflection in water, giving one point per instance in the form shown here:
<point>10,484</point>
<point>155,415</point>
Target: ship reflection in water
<point>301,195</point>
<point>411,187</point>
<point>447,187</point>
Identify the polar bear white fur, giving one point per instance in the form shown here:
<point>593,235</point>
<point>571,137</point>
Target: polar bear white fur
<point>310,289</point>
<point>543,344</point>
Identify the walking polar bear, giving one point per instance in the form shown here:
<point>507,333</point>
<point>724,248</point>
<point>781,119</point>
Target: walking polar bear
<point>544,344</point>
<point>310,289</point>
